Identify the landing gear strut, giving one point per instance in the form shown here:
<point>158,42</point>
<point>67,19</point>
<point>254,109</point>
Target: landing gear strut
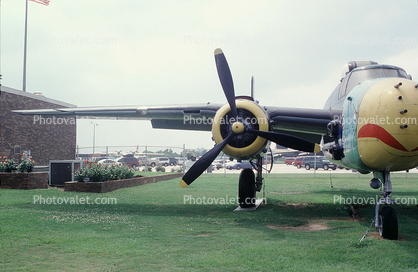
<point>385,219</point>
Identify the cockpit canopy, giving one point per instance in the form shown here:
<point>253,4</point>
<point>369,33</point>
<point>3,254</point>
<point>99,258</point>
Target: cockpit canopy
<point>350,66</point>
<point>361,74</point>
<point>356,72</point>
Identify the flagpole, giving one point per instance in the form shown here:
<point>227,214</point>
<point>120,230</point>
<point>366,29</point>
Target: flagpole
<point>25,48</point>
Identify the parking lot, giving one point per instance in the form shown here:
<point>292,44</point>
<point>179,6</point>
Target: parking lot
<point>281,169</point>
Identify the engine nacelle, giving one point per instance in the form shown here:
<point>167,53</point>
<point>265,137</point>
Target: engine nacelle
<point>245,145</point>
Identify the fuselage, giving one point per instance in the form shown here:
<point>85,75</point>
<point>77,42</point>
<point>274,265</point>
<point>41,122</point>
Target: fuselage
<point>377,129</point>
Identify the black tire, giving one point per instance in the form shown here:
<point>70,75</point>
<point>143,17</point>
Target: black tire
<point>298,166</point>
<point>307,166</point>
<point>389,223</point>
<point>238,167</point>
<point>326,167</point>
<point>153,164</point>
<point>133,165</point>
<point>246,189</point>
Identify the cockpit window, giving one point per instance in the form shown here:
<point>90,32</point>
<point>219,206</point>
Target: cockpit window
<point>359,76</point>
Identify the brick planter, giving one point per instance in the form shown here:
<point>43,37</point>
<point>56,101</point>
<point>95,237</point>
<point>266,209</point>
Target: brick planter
<point>107,186</point>
<point>24,180</point>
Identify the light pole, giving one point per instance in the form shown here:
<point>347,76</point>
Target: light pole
<point>94,134</point>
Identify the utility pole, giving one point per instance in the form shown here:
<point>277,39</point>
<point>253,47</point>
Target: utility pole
<point>94,136</point>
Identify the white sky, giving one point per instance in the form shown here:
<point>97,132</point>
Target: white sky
<point>131,52</point>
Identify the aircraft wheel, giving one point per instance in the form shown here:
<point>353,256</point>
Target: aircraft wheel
<point>307,166</point>
<point>389,223</point>
<point>246,190</point>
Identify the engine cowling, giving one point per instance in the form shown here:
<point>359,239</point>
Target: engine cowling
<point>244,145</point>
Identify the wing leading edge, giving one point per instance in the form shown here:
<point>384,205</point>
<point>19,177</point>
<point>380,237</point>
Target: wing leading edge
<point>185,117</point>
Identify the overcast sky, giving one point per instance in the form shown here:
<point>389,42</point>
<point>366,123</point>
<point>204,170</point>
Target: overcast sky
<point>132,52</point>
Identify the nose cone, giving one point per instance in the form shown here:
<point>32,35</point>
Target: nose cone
<point>387,130</point>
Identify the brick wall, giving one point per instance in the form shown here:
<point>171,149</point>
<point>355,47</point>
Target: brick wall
<point>24,180</point>
<point>47,139</point>
<point>111,185</point>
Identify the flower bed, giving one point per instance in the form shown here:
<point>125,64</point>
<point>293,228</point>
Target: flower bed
<point>24,180</point>
<point>96,172</point>
<point>111,185</point>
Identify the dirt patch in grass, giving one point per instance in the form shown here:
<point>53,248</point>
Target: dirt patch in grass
<point>309,227</point>
<point>296,205</point>
<point>203,235</point>
<point>290,193</point>
<point>375,235</point>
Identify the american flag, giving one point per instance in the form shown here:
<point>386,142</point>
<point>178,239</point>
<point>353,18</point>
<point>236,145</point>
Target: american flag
<point>43,2</point>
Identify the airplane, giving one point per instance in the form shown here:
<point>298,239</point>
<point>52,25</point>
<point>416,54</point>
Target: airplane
<point>368,124</point>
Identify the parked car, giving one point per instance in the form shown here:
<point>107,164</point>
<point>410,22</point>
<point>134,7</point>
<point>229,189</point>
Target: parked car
<point>289,160</point>
<point>180,160</point>
<point>107,162</point>
<point>144,161</point>
<point>239,165</point>
<point>218,165</point>
<point>173,161</point>
<point>298,161</point>
<point>129,161</point>
<point>321,162</point>
<point>163,161</point>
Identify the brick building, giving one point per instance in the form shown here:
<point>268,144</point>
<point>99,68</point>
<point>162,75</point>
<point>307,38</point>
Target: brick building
<point>46,138</point>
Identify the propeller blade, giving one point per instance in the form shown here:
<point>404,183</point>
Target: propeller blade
<point>203,163</point>
<point>226,80</point>
<point>287,140</point>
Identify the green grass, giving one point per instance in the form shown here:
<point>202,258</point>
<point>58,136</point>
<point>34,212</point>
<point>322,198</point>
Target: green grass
<point>151,229</point>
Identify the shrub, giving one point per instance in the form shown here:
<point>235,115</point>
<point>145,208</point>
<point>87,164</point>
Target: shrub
<point>160,168</point>
<point>94,172</point>
<point>26,165</point>
<point>7,165</point>
<point>147,169</point>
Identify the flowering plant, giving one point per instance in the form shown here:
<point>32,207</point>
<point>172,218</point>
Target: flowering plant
<point>95,172</point>
<point>7,165</point>
<point>26,164</point>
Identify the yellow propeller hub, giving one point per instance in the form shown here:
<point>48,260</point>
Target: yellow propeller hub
<point>238,127</point>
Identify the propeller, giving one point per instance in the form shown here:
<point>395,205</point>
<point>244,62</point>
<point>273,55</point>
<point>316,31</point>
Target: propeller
<point>203,163</point>
<point>238,127</point>
<point>226,80</point>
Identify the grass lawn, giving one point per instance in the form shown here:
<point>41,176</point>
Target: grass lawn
<point>155,227</point>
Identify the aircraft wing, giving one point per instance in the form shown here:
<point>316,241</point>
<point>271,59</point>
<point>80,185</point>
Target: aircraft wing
<point>309,124</point>
<point>184,117</point>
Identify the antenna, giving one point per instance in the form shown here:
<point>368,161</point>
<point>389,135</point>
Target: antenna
<point>252,87</point>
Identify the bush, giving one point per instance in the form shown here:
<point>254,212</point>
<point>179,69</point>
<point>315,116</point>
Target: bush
<point>147,169</point>
<point>160,168</point>
<point>26,165</point>
<point>94,172</point>
<point>7,165</point>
